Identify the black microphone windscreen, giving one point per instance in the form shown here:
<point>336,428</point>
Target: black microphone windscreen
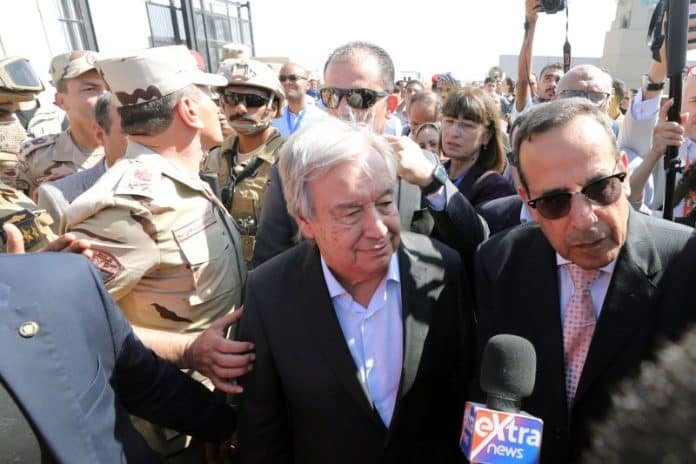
<point>677,28</point>
<point>508,367</point>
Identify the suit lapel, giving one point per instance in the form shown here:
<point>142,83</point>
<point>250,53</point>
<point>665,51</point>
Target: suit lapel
<point>627,303</point>
<point>25,364</point>
<point>320,318</point>
<point>416,314</point>
<point>409,202</point>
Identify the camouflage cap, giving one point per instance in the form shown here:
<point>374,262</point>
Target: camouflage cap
<point>153,73</point>
<point>72,64</point>
<point>252,73</point>
<point>233,51</point>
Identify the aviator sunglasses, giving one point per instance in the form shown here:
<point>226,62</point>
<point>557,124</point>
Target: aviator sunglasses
<point>595,97</point>
<point>290,77</point>
<point>249,100</point>
<point>602,192</point>
<point>359,99</point>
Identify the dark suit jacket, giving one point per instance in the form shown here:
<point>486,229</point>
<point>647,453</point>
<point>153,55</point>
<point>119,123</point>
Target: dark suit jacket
<point>458,225</point>
<point>517,293</point>
<point>303,402</point>
<point>84,370</point>
<point>501,213</point>
<point>477,186</point>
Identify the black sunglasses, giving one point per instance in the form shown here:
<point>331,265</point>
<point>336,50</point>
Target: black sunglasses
<point>359,99</point>
<point>290,77</point>
<point>249,100</point>
<point>595,97</point>
<point>602,192</point>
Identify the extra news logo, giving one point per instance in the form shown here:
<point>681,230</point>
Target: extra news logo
<point>494,437</point>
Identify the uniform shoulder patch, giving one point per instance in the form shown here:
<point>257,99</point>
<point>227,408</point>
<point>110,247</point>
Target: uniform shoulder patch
<point>31,145</point>
<point>139,179</point>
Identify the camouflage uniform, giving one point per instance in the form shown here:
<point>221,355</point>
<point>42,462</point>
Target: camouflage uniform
<point>168,252</point>
<point>244,185</point>
<point>12,135</point>
<point>32,222</point>
<point>52,155</point>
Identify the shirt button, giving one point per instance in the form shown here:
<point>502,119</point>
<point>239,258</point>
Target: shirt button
<point>28,329</point>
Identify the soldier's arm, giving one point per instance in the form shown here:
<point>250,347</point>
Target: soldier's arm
<point>209,352</point>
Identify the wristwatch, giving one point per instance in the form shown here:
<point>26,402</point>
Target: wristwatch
<point>439,179</point>
<point>650,85</point>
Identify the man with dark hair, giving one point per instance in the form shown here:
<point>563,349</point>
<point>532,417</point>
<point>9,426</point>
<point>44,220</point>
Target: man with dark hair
<point>168,251</point>
<point>55,196</point>
<point>581,283</point>
<point>357,77</point>
<point>78,86</point>
<point>412,87</point>
<point>548,77</point>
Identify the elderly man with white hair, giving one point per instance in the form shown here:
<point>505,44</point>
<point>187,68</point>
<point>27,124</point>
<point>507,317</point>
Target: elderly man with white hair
<point>364,346</point>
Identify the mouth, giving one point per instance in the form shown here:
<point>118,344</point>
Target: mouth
<point>589,245</point>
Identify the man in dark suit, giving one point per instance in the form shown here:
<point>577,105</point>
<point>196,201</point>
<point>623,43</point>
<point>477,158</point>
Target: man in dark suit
<point>580,284</point>
<point>364,345</point>
<point>427,201</point>
<point>71,370</point>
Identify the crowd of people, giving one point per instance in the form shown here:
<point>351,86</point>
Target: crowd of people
<point>289,268</point>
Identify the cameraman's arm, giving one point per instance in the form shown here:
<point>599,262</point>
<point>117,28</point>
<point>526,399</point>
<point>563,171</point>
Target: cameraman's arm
<point>524,62</point>
<point>656,73</point>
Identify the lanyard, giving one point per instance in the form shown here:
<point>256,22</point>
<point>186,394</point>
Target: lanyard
<point>298,120</point>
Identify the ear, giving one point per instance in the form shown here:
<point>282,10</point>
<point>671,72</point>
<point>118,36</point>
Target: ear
<point>188,111</point>
<point>60,101</point>
<point>99,134</point>
<point>305,227</point>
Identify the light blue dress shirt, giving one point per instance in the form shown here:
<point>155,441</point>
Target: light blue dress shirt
<point>374,336</point>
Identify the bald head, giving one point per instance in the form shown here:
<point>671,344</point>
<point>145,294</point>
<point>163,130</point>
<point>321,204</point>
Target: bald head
<point>586,78</point>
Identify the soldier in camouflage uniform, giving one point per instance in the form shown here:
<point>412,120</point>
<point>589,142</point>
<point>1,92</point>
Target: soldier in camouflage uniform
<point>167,249</point>
<point>250,101</point>
<point>33,223</point>
<point>78,85</point>
<point>18,84</point>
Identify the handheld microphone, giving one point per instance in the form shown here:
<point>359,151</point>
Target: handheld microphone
<point>498,432</point>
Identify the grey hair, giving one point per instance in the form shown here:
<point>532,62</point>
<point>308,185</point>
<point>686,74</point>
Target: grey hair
<point>155,116</point>
<point>313,150</point>
<point>102,111</point>
<point>557,113</point>
<point>359,50</point>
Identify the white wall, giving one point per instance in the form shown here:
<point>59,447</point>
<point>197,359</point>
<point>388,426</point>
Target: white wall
<point>120,25</point>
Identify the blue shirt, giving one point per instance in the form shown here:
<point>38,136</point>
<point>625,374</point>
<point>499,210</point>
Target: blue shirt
<point>288,122</point>
<point>374,336</point>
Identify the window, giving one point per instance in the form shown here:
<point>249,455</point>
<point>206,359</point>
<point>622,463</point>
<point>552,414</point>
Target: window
<point>215,23</point>
<point>77,24</point>
<point>166,22</point>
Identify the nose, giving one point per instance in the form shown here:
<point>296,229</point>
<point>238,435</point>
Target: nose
<point>373,224</point>
<point>582,214</point>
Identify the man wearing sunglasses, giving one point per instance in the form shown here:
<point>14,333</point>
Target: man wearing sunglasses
<point>580,284</point>
<point>357,76</point>
<point>300,109</point>
<point>251,99</point>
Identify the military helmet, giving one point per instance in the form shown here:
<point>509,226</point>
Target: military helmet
<point>252,73</point>
<point>18,80</point>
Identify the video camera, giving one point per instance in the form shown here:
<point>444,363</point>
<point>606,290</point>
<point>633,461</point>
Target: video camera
<point>552,6</point>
